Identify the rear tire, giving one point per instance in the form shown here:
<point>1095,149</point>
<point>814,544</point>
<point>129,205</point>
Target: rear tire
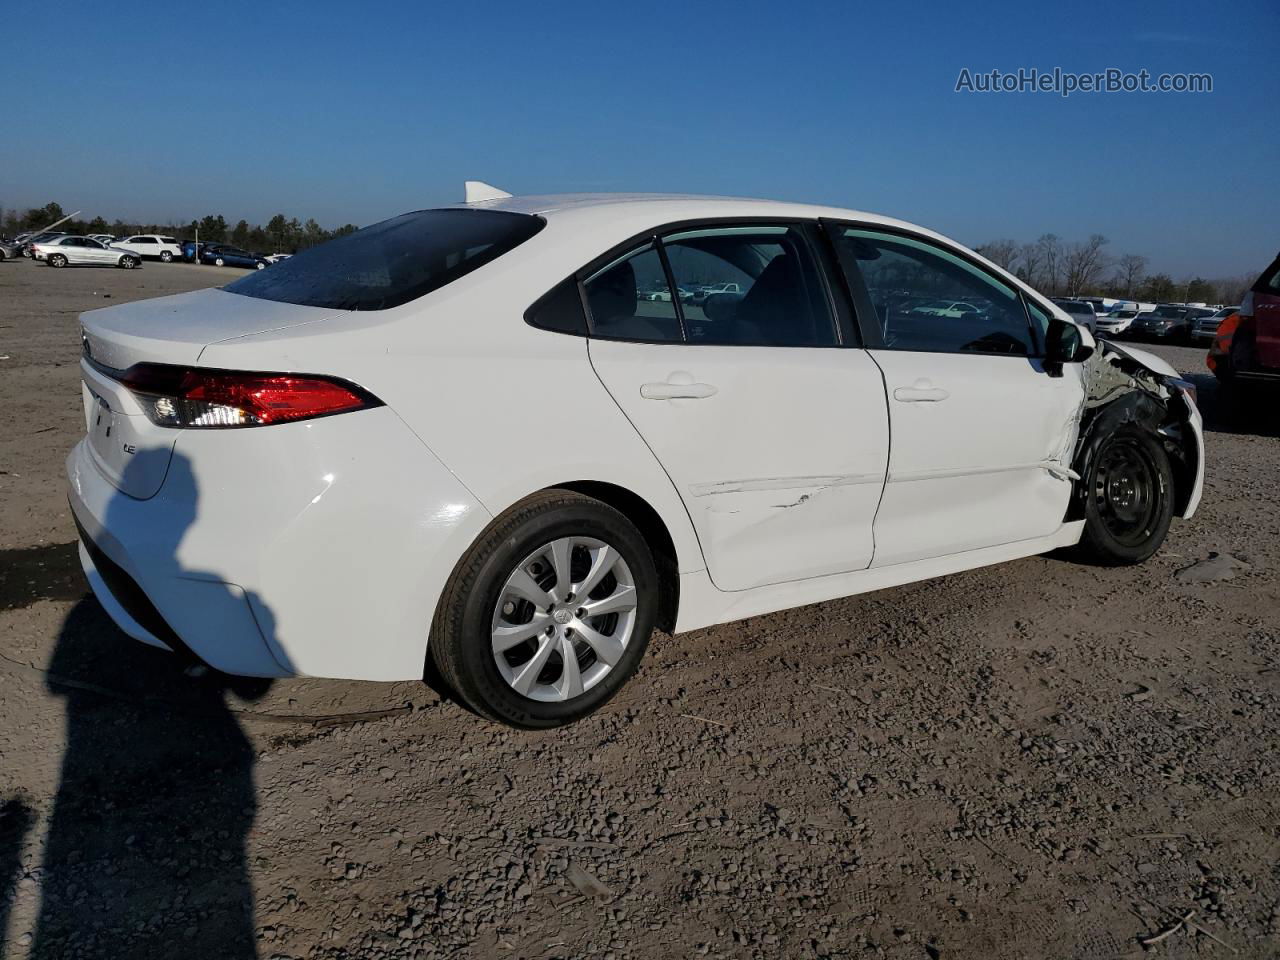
<point>57,260</point>
<point>219,262</point>
<point>494,635</point>
<point>1128,498</point>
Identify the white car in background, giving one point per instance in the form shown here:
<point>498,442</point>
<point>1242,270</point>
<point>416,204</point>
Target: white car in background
<point>152,246</point>
<point>1081,311</point>
<point>463,434</point>
<point>81,252</point>
<point>945,308</point>
<point>1116,322</point>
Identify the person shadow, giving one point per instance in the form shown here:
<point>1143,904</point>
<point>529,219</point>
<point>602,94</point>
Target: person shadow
<point>145,853</point>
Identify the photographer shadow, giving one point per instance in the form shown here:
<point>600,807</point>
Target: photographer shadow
<point>145,853</point>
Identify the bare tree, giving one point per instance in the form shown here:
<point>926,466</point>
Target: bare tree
<point>1049,248</point>
<point>1130,270</point>
<point>1030,261</point>
<point>1083,263</point>
<point>1002,253</point>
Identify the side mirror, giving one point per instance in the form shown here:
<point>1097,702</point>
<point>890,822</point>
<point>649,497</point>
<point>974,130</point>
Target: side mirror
<point>1063,345</point>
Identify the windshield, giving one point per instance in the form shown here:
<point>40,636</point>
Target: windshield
<point>391,262</point>
<point>1168,313</point>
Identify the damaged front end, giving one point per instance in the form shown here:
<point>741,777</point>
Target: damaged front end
<point>1124,386</point>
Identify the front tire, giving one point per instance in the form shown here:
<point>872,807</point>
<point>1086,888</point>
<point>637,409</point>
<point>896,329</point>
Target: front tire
<point>549,613</point>
<point>261,265</point>
<point>219,262</point>
<point>1128,506</point>
<point>128,263</point>
<point>166,256</point>
<point>57,260</point>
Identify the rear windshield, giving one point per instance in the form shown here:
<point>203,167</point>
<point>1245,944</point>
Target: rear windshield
<point>391,262</point>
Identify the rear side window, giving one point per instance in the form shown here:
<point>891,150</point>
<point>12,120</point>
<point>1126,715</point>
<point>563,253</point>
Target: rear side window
<point>750,286</point>
<point>392,262</point>
<point>630,299</point>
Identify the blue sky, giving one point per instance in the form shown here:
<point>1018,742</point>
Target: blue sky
<point>356,111</point>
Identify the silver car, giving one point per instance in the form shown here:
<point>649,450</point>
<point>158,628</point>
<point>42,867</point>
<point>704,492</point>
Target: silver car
<point>1206,328</point>
<point>1081,311</point>
<point>83,251</point>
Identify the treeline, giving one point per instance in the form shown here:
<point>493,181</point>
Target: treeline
<point>281,234</point>
<point>1086,268</point>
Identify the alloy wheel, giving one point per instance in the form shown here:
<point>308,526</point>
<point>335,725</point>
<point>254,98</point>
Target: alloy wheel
<point>563,619</point>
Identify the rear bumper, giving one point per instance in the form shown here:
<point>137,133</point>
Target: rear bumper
<point>318,548</point>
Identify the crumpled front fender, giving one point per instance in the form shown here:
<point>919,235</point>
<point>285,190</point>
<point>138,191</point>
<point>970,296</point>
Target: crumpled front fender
<point>1126,385</point>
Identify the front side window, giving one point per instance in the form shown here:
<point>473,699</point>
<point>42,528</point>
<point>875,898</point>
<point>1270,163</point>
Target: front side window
<point>150,240</point>
<point>630,299</point>
<point>928,299</point>
<point>750,286</point>
<point>392,262</point>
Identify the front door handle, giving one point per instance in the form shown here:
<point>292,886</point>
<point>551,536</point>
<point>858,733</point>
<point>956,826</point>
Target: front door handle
<point>922,391</point>
<point>678,386</point>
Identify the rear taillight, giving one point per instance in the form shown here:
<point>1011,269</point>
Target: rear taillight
<point>194,397</point>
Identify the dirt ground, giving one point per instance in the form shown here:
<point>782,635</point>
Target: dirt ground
<point>1040,759</point>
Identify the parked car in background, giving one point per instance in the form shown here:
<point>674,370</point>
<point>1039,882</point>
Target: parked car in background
<point>225,255</point>
<point>711,488</point>
<point>84,251</point>
<point>29,243</point>
<point>191,250</point>
<point>1206,328</point>
<point>1168,321</point>
<point>1081,311</point>
<point>10,250</point>
<point>1245,355</point>
<point>277,257</point>
<point>945,308</point>
<point>103,238</point>
<point>1116,322</point>
<point>152,246</point>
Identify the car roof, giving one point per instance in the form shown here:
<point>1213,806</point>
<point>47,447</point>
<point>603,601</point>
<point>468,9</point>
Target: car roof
<point>674,207</point>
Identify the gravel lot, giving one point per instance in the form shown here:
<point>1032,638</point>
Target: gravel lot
<point>1036,760</point>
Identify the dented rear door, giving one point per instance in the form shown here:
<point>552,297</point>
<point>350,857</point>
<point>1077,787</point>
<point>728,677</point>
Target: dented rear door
<point>779,453</point>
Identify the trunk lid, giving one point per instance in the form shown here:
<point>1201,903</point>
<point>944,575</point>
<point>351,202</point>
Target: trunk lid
<point>126,447</point>
<point>176,329</point>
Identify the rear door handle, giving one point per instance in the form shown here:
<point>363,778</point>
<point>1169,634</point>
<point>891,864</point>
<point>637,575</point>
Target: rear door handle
<point>922,391</point>
<point>677,391</point>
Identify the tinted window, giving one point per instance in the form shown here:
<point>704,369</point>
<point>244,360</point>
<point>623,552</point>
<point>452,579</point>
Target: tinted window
<point>750,285</point>
<point>391,262</point>
<point>928,299</point>
<point>1269,282</point>
<point>168,240</point>
<point>150,240</point>
<point>631,300</point>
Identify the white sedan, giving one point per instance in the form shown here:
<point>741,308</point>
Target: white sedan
<point>83,251</point>
<point>466,435</point>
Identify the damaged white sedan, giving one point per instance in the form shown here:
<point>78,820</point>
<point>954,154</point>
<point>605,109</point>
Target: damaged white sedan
<point>499,437</point>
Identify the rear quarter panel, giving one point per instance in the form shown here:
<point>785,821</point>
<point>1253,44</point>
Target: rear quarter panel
<point>508,408</point>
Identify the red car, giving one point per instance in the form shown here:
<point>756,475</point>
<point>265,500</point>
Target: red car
<point>1246,350</point>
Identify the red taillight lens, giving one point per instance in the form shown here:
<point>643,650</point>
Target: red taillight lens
<point>200,398</point>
